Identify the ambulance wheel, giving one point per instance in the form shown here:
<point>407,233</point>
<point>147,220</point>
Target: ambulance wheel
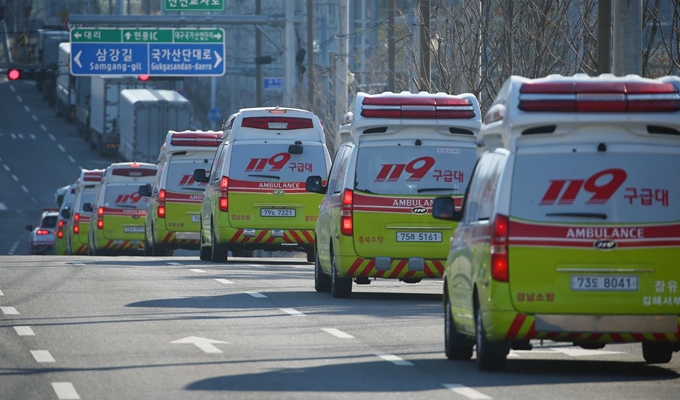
<point>657,353</point>
<point>340,287</point>
<point>456,346</point>
<point>147,247</point>
<point>491,356</point>
<point>311,256</point>
<point>219,253</point>
<point>322,282</point>
<point>205,252</point>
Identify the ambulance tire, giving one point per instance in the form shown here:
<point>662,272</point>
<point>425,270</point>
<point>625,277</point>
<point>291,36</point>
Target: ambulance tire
<point>456,345</point>
<point>491,356</point>
<point>322,282</point>
<point>219,253</point>
<point>311,256</point>
<point>205,252</point>
<point>657,352</point>
<point>340,287</point>
<point>147,246</point>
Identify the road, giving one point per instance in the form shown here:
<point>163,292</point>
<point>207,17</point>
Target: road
<point>77,327</point>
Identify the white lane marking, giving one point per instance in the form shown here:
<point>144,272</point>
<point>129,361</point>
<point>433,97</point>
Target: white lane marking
<point>65,391</point>
<point>15,178</point>
<point>32,136</point>
<point>24,188</point>
<point>466,391</point>
<point>13,248</point>
<point>3,207</point>
<point>52,137</point>
<point>196,270</point>
<point>60,147</point>
<point>338,333</point>
<point>9,310</point>
<point>1,294</point>
<point>13,135</point>
<point>34,118</point>
<point>255,294</point>
<point>173,263</point>
<point>42,356</point>
<point>27,108</point>
<point>43,127</point>
<point>293,312</point>
<point>20,99</point>
<point>577,352</point>
<point>12,88</point>
<point>225,281</point>
<point>205,344</point>
<point>73,160</point>
<point>5,167</point>
<point>24,331</point>
<point>21,136</point>
<point>394,359</point>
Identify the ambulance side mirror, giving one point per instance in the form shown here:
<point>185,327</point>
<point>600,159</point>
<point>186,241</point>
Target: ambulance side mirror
<point>65,213</point>
<point>445,208</point>
<point>314,184</point>
<point>87,207</point>
<point>145,190</point>
<point>200,176</point>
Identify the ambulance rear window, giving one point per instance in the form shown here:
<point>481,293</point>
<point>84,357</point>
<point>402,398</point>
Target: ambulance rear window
<point>49,221</point>
<point>125,197</point>
<point>273,163</point>
<point>86,197</point>
<point>180,176</point>
<point>596,188</point>
<point>134,172</point>
<point>426,170</point>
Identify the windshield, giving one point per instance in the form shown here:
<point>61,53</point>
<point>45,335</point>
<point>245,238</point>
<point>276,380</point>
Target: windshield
<point>438,170</point>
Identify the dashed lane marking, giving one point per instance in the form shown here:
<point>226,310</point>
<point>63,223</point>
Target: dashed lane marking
<point>34,118</point>
<point>338,333</point>
<point>24,188</point>
<point>255,294</point>
<point>65,391</point>
<point>395,360</point>
<point>197,270</point>
<point>12,88</point>
<point>24,331</point>
<point>228,282</point>
<point>60,147</point>
<point>6,167</point>
<point>16,179</point>
<point>3,207</point>
<point>173,263</point>
<point>43,127</point>
<point>9,310</point>
<point>42,356</point>
<point>13,248</point>
<point>20,99</point>
<point>27,108</point>
<point>293,312</point>
<point>73,160</point>
<point>32,136</point>
<point>470,393</point>
<point>51,136</point>
<point>1,294</point>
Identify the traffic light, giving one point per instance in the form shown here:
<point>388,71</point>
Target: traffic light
<point>264,60</point>
<point>149,78</point>
<point>15,74</point>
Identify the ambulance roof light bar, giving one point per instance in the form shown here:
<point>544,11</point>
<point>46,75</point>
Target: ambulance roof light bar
<point>93,175</point>
<point>603,96</point>
<point>277,123</point>
<point>408,106</point>
<point>198,139</point>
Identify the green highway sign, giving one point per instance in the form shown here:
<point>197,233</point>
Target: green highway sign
<point>147,35</point>
<point>193,5</point>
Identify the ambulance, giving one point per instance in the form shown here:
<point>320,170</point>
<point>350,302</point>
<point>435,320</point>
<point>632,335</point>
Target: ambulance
<point>64,213</point>
<point>119,211</point>
<point>77,227</point>
<point>570,228</point>
<point>375,218</point>
<point>174,209</point>
<point>255,197</point>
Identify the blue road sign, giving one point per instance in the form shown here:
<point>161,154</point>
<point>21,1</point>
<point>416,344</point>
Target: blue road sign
<point>214,114</point>
<point>174,52</point>
<point>273,83</point>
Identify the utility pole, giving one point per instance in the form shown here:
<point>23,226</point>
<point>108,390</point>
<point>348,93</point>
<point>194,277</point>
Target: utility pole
<point>341,60</point>
<point>310,55</point>
<point>259,76</point>
<point>425,64</point>
<point>604,36</point>
<point>627,37</point>
<point>391,48</point>
<point>289,55</point>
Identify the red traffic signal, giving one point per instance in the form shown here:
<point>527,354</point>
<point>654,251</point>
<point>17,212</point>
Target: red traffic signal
<point>13,74</point>
<point>143,78</point>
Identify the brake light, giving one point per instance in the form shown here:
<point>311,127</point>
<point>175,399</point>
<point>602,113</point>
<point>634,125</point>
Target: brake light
<point>599,97</point>
<point>224,194</point>
<point>277,123</point>
<point>60,224</point>
<point>417,107</point>
<point>42,232</point>
<point>346,211</point>
<point>76,223</point>
<point>161,204</point>
<point>100,218</point>
<point>60,233</point>
<point>499,249</point>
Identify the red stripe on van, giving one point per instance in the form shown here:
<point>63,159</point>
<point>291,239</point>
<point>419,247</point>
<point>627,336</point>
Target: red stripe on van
<point>355,266</point>
<point>308,236</point>
<point>367,269</point>
<point>237,235</point>
<point>515,326</point>
<point>400,267</point>
<point>296,237</point>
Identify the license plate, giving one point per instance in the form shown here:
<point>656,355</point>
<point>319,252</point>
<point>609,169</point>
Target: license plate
<point>133,229</point>
<point>419,236</point>
<point>277,212</point>
<point>195,218</point>
<point>604,283</point>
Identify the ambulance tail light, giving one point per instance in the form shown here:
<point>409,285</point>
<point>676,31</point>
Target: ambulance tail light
<point>42,232</point>
<point>417,108</point>
<point>613,97</point>
<point>60,233</point>
<point>499,249</point>
<point>76,223</point>
<point>346,213</point>
<point>277,123</point>
<point>224,194</point>
<point>161,204</point>
<point>100,218</point>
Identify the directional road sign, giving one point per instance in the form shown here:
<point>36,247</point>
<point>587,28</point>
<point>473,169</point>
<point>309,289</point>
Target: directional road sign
<point>147,51</point>
<point>214,114</point>
<point>273,83</point>
<point>193,5</point>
